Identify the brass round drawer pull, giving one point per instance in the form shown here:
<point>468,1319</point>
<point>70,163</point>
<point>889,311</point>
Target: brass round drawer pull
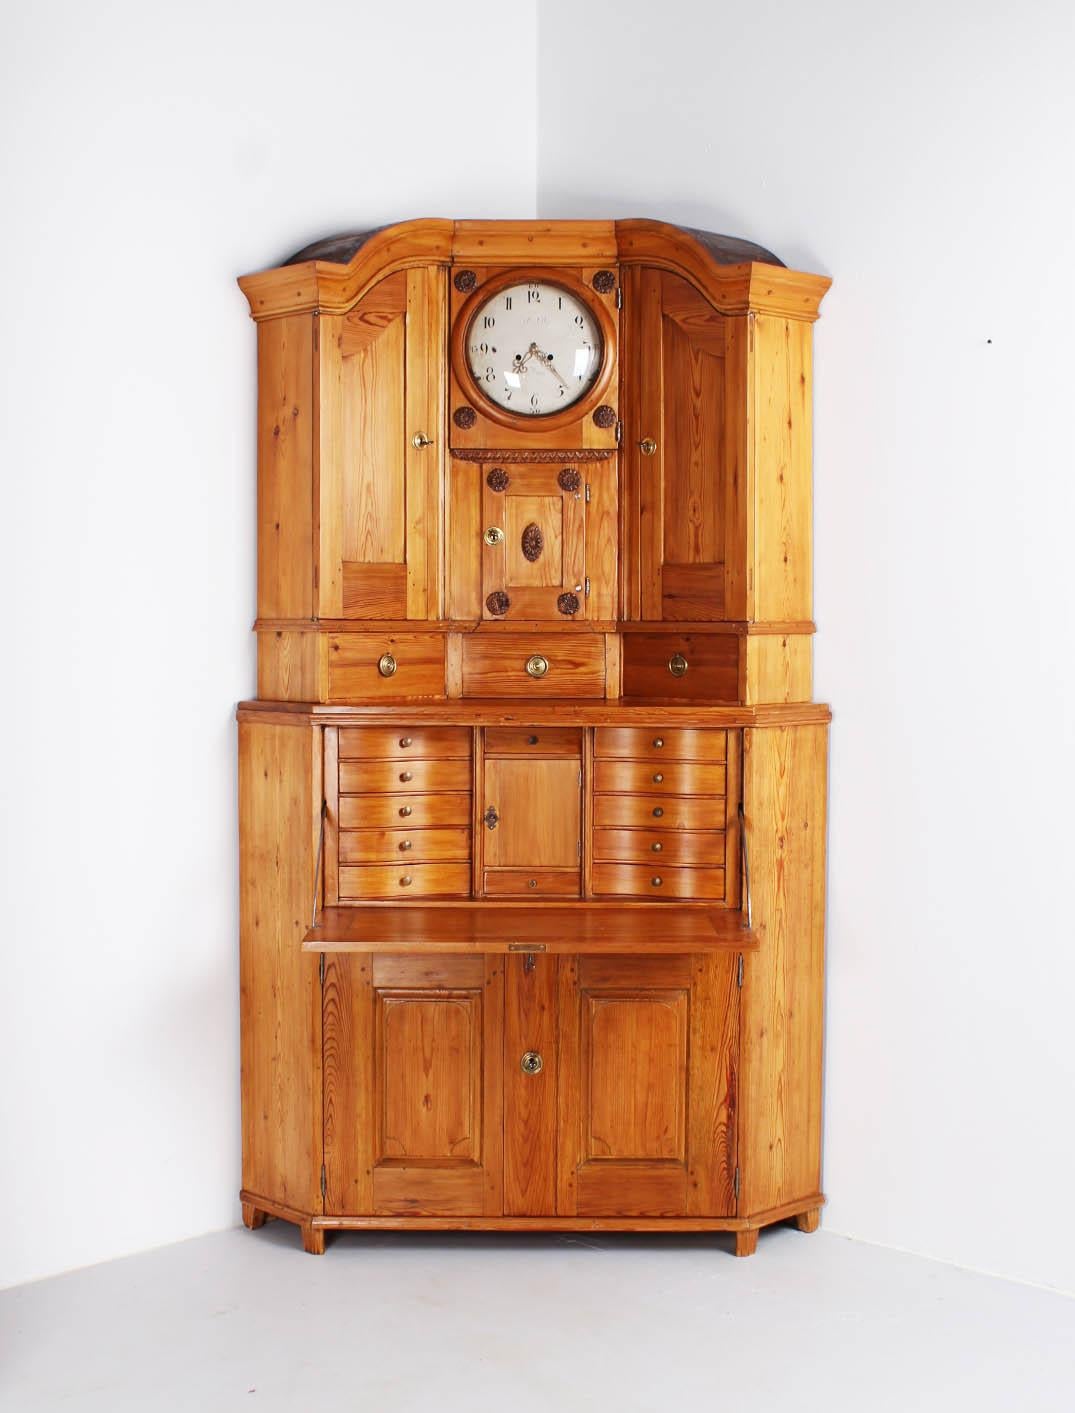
<point>420,441</point>
<point>406,741</point>
<point>657,881</point>
<point>406,775</point>
<point>531,1063</point>
<point>405,811</point>
<point>405,844</point>
<point>387,665</point>
<point>537,666</point>
<point>657,812</point>
<point>658,779</point>
<point>532,883</point>
<point>493,535</point>
<point>658,742</point>
<point>406,881</point>
<point>677,664</point>
<point>647,446</point>
<point>656,846</point>
<point>531,740</point>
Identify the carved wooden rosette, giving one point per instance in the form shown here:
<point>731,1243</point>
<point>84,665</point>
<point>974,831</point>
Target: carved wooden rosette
<point>465,281</point>
<point>604,281</point>
<point>498,479</point>
<point>498,603</point>
<point>569,479</point>
<point>533,542</point>
<point>568,604</point>
<point>604,416</point>
<point>464,418</point>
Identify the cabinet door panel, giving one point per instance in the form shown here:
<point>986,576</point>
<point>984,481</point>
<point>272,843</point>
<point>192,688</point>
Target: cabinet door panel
<point>541,551</point>
<point>412,1066</point>
<point>683,496</point>
<point>647,1086</point>
<point>539,803</point>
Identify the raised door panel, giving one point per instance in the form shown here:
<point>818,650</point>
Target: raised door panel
<point>381,384</point>
<point>413,1109</point>
<point>681,513</point>
<point>647,1086</point>
<point>537,805</point>
<point>534,543</point>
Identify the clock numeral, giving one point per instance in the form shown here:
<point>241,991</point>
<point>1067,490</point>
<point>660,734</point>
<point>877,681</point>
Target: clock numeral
<point>483,348</point>
<point>490,375</point>
<point>533,403</point>
<point>580,321</point>
<point>533,296</point>
<point>507,301</point>
<point>507,394</point>
<point>489,321</point>
<point>559,301</point>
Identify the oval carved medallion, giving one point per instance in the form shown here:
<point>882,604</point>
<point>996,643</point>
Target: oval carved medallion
<point>533,542</point>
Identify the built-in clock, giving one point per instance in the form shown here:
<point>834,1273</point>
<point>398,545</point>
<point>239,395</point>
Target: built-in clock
<point>534,348</point>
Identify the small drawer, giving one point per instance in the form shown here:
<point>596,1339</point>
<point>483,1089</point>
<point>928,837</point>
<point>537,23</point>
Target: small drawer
<point>533,741</point>
<point>647,743</point>
<point>655,883</point>
<point>659,777</point>
<point>403,811</point>
<point>531,883</point>
<point>376,777</point>
<point>694,848</point>
<point>359,846</point>
<point>649,811</point>
<point>429,880</point>
<point>557,665</point>
<point>392,743</point>
<point>382,668</point>
<point>681,666</point>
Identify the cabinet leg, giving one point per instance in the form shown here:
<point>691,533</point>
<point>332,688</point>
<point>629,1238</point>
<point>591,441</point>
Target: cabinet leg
<point>252,1218</point>
<point>809,1221</point>
<point>746,1242</point>
<point>313,1239</point>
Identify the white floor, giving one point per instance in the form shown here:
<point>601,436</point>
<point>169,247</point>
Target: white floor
<point>245,1320</point>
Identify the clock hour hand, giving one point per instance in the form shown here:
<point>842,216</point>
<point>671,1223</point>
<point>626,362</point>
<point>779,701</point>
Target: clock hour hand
<point>546,362</point>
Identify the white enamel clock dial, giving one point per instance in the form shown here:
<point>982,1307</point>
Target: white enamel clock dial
<point>534,348</point>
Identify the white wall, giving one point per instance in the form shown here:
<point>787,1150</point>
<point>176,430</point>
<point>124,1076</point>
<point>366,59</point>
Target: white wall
<point>150,155</point>
<point>921,154</point>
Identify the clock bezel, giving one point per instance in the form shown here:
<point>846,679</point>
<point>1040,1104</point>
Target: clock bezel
<point>487,289</point>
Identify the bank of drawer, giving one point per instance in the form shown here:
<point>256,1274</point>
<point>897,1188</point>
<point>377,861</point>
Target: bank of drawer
<point>670,777</point>
<point>391,743</point>
<point>383,668</point>
<point>681,666</point>
<point>649,743</point>
<point>429,880</point>
<point>652,846</point>
<point>376,777</point>
<point>495,665</point>
<point>648,811</point>
<point>403,811</point>
<point>359,846</point>
<point>654,882</point>
<point>531,883</point>
<point>533,741</point>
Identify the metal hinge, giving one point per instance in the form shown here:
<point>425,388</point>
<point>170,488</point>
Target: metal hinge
<point>324,1182</point>
<point>619,433</point>
<point>735,1184</point>
<point>580,777</point>
<point>587,492</point>
<point>321,969</point>
<point>619,296</point>
<point>578,847</point>
<point>587,586</point>
<point>739,972</point>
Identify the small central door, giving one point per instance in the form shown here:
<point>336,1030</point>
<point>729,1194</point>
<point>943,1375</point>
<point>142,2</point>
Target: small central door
<point>531,832</point>
<point>534,543</point>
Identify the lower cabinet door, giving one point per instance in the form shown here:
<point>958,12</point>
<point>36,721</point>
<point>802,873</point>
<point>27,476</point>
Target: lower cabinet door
<point>413,1056</point>
<point>647,1085</point>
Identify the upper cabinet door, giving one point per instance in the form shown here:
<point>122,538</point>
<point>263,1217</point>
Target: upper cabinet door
<point>683,489</point>
<point>381,445</point>
<point>534,543</point>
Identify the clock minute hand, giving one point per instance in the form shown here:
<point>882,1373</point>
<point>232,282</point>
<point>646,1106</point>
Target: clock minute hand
<point>546,362</point>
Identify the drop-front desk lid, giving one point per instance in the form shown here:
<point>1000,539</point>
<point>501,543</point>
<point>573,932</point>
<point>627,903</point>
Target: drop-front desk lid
<point>538,927</point>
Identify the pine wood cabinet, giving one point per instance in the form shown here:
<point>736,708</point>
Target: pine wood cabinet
<point>532,795</point>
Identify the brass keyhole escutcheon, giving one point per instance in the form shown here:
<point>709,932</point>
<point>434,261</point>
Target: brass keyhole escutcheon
<point>537,666</point>
<point>493,535</point>
<point>406,811</point>
<point>531,1063</point>
<point>677,664</point>
<point>647,446</point>
<point>491,818</point>
<point>420,440</point>
<point>387,665</point>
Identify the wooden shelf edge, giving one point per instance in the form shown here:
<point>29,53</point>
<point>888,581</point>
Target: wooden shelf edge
<point>474,712</point>
<point>557,929</point>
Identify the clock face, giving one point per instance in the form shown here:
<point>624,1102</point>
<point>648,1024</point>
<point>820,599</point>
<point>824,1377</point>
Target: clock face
<point>534,348</point>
